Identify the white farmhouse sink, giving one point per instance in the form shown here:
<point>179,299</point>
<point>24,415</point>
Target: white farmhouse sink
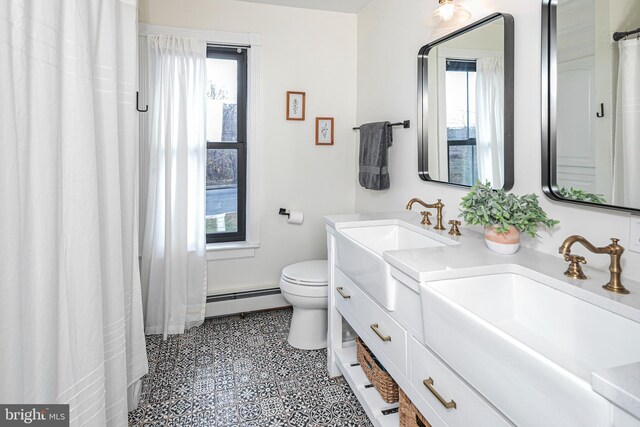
<point>359,250</point>
<point>527,347</point>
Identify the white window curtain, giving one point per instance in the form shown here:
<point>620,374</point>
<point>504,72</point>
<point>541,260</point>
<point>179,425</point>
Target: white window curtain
<point>490,120</point>
<point>626,159</point>
<point>174,278</point>
<point>71,322</point>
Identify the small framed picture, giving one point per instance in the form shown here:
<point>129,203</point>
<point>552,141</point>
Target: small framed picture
<point>295,105</point>
<point>324,130</point>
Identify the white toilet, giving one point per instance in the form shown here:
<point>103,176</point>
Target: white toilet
<point>304,286</point>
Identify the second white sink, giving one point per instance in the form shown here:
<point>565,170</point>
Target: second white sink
<point>359,249</point>
<point>527,347</point>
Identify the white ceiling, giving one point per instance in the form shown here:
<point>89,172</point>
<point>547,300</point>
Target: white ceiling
<point>347,6</point>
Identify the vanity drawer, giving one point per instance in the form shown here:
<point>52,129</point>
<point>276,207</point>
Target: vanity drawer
<point>431,378</point>
<point>384,336</point>
<point>349,297</point>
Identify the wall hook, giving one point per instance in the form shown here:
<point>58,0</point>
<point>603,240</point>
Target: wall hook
<point>146,108</point>
<point>600,114</point>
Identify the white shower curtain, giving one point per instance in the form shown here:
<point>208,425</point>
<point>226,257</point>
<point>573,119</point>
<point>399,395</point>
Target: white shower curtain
<point>174,247</point>
<point>626,157</point>
<point>490,120</point>
<point>71,326</point>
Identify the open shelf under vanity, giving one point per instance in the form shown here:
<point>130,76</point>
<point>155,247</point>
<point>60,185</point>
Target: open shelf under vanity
<point>380,413</point>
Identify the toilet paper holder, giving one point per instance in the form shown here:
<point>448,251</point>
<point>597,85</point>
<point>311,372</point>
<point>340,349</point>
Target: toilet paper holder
<point>283,211</point>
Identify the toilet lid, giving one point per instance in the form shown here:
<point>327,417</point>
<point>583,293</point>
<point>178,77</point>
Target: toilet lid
<point>313,273</point>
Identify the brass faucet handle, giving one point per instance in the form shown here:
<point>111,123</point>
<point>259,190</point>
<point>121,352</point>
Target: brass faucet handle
<point>425,218</point>
<point>439,205</point>
<point>575,270</point>
<point>455,231</point>
<point>615,283</point>
<point>615,247</point>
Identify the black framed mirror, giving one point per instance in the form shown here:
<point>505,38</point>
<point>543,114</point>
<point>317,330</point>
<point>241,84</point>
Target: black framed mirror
<point>590,103</point>
<point>465,105</point>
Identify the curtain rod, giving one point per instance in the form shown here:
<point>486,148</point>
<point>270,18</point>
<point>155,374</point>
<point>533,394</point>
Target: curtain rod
<point>230,46</point>
<point>620,35</point>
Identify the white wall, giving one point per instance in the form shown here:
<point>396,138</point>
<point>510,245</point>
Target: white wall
<point>625,15</point>
<point>390,32</point>
<point>302,50</point>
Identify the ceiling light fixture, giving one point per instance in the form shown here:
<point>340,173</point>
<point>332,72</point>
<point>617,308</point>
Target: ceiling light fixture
<point>448,14</point>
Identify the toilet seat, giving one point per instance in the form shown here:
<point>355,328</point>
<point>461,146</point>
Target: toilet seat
<point>306,273</point>
<point>310,291</point>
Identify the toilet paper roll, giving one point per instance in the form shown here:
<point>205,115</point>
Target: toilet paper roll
<point>295,217</point>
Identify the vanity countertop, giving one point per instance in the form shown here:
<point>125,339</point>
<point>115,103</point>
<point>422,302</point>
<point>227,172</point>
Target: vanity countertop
<point>472,258</point>
<point>621,385</point>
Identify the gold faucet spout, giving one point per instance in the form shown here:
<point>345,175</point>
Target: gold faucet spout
<point>565,248</point>
<point>437,205</point>
<point>614,250</point>
<point>413,201</point>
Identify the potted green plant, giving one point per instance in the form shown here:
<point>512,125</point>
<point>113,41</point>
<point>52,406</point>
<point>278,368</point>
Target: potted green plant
<point>503,215</point>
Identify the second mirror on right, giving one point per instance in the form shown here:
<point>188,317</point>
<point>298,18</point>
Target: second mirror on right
<point>591,146</point>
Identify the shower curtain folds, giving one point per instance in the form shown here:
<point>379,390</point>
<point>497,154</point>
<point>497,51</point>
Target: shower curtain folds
<point>71,307</point>
<point>626,155</point>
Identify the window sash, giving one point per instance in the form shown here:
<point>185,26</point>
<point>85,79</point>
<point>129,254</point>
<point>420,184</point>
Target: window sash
<point>240,55</point>
<point>474,161</point>
<point>466,66</point>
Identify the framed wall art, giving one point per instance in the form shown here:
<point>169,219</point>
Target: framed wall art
<point>295,105</point>
<point>324,130</point>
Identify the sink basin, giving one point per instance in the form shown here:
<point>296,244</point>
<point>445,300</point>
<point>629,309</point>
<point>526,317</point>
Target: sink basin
<point>526,346</point>
<point>359,250</point>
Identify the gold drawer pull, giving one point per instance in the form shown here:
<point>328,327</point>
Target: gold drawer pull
<point>374,327</point>
<point>428,383</point>
<point>341,291</point>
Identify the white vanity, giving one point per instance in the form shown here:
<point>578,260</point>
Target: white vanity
<point>507,338</point>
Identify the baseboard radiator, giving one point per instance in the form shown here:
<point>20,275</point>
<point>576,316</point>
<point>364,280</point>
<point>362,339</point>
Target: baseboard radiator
<point>242,302</point>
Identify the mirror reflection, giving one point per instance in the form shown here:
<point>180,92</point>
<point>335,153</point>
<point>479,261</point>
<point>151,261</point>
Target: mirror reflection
<point>466,98</point>
<point>596,155</point>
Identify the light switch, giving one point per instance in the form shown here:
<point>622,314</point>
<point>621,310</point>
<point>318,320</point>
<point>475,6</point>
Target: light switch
<point>634,234</point>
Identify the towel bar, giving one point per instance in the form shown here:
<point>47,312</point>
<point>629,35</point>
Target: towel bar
<point>406,124</point>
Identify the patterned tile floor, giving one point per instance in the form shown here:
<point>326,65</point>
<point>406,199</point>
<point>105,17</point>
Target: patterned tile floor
<point>240,371</point>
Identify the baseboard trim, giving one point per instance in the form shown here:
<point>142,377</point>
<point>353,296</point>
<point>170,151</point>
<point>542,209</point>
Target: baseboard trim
<point>243,294</point>
<point>242,302</point>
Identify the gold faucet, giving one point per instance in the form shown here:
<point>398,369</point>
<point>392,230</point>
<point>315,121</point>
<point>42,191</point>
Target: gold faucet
<point>437,205</point>
<point>614,250</point>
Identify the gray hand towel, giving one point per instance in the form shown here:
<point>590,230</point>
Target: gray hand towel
<point>375,139</point>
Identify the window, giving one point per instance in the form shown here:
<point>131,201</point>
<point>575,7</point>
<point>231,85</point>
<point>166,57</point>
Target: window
<point>461,121</point>
<point>226,144</point>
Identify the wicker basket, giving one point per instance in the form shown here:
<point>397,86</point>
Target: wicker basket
<point>376,373</point>
<point>409,414</point>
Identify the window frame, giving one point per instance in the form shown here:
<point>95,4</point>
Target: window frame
<point>466,65</point>
<point>238,54</point>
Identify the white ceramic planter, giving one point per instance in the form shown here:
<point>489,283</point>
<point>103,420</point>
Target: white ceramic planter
<point>502,243</point>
